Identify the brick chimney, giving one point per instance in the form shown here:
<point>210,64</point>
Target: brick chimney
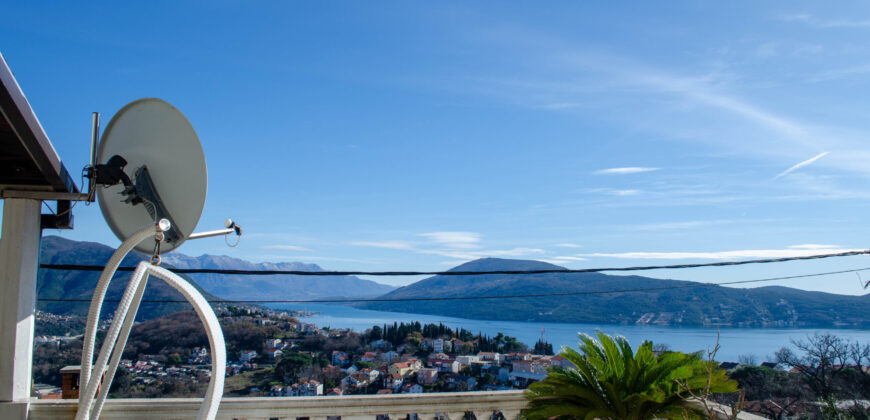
<point>70,382</point>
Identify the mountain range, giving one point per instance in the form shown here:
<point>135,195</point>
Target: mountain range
<point>231,286</point>
<point>663,302</point>
<point>676,303</point>
<point>70,284</point>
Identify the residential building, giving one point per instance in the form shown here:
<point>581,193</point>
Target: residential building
<point>248,355</point>
<point>427,376</point>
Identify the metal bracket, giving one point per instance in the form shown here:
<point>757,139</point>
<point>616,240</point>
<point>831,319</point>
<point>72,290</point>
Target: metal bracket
<point>62,220</point>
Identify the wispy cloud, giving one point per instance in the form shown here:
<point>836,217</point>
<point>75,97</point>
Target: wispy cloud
<point>568,245</point>
<point>839,73</point>
<point>306,258</point>
<point>826,23</point>
<point>456,240</point>
<point>720,255</point>
<point>287,248</point>
<point>814,246</point>
<point>693,224</point>
<point>569,259</point>
<point>458,245</point>
<point>702,92</point>
<point>400,245</point>
<point>625,192</point>
<point>802,164</point>
<point>625,170</point>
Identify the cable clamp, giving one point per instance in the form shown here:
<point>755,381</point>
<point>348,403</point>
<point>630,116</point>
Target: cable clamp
<point>155,255</point>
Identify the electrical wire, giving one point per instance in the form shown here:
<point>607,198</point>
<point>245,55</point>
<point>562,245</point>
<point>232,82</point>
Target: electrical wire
<point>78,267</point>
<point>515,296</point>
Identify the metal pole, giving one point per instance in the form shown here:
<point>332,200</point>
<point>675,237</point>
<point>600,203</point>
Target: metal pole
<point>210,233</point>
<point>95,135</point>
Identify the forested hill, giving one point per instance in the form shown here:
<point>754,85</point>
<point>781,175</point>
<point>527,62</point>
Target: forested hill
<point>68,284</point>
<point>688,306</point>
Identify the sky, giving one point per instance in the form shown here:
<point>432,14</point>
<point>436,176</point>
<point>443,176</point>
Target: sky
<point>420,135</point>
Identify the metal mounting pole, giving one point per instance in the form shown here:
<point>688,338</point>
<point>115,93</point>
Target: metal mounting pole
<point>95,135</point>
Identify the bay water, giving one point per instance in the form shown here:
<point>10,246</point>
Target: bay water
<point>733,342</point>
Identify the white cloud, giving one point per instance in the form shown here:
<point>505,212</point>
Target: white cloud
<point>458,245</point>
<point>701,91</point>
<point>400,245</point>
<point>720,255</point>
<point>305,258</point>
<point>826,23</point>
<point>802,164</point>
<point>568,258</point>
<point>515,252</point>
<point>625,170</point>
<point>457,240</point>
<point>568,245</point>
<point>679,225</point>
<point>814,246</point>
<point>287,248</point>
<point>623,193</point>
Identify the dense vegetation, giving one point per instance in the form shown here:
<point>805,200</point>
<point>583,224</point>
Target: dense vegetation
<point>610,381</point>
<point>414,331</point>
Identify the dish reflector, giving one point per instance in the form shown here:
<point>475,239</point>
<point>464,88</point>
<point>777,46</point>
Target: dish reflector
<point>165,161</point>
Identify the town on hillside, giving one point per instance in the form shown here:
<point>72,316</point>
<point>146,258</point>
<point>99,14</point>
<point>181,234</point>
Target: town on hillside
<point>272,353</point>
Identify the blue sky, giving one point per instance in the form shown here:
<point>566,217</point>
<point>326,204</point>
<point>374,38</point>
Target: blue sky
<point>416,136</point>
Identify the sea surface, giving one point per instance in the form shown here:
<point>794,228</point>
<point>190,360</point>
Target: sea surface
<point>733,342</point>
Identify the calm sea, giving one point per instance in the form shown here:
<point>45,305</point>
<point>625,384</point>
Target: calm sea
<point>761,342</point>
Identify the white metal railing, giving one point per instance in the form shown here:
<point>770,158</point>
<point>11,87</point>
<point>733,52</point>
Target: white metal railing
<point>446,405</point>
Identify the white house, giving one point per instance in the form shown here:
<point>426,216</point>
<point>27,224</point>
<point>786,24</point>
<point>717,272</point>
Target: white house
<point>247,356</point>
<point>467,360</point>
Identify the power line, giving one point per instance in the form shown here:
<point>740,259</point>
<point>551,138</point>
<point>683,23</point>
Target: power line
<point>530,295</point>
<point>78,267</point>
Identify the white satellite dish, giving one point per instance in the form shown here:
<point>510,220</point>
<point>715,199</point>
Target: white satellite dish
<point>152,184</point>
<point>164,165</point>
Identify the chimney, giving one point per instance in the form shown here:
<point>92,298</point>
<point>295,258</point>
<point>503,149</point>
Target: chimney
<point>70,382</point>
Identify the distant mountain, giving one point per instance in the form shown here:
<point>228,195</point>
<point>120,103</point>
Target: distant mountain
<point>273,286</point>
<point>687,306</point>
<point>57,284</point>
<point>53,284</point>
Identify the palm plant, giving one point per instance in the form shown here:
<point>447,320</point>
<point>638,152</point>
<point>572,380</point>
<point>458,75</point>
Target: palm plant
<point>610,381</point>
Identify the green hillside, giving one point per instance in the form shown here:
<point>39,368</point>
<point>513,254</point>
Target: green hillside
<point>690,306</point>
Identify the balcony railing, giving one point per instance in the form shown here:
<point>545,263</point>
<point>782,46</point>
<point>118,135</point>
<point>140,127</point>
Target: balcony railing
<point>452,405</point>
<point>447,405</point>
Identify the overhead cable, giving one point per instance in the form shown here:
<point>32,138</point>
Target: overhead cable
<point>78,267</point>
<point>515,296</point>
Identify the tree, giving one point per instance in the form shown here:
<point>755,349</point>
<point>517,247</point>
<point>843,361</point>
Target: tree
<point>773,393</point>
<point>824,359</point>
<point>291,365</point>
<point>611,381</point>
<point>543,347</point>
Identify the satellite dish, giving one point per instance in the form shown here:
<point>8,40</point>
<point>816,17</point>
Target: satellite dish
<point>152,153</point>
